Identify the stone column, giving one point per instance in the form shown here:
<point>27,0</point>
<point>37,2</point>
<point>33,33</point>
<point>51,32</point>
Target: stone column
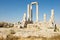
<point>44,17</point>
<point>24,17</point>
<point>28,12</point>
<point>36,12</point>
<point>51,22</point>
<point>52,15</point>
<point>44,23</point>
<point>35,3</point>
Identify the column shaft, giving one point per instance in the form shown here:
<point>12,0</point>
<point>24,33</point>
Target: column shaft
<point>36,12</point>
<point>28,12</point>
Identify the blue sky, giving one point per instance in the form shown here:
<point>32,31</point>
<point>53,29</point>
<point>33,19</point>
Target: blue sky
<point>13,10</point>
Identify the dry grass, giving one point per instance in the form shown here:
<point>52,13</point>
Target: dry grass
<point>10,37</point>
